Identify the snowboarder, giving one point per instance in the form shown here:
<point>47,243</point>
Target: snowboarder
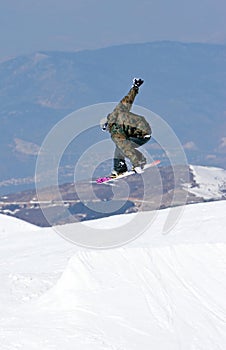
<point>128,131</point>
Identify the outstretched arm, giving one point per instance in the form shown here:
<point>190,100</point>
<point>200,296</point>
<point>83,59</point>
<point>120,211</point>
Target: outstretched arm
<point>127,101</point>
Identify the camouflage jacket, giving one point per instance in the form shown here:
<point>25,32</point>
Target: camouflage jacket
<point>121,120</point>
<point>130,124</point>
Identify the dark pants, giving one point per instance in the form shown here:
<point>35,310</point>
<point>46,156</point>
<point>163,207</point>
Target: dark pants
<point>119,157</point>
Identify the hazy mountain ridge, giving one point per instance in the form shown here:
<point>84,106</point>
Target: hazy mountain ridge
<point>204,184</point>
<point>184,83</point>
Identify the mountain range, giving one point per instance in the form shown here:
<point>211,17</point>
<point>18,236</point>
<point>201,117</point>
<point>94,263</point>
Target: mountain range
<point>88,201</point>
<point>185,83</point>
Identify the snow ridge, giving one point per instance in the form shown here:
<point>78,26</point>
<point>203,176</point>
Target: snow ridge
<point>159,292</point>
<point>210,182</point>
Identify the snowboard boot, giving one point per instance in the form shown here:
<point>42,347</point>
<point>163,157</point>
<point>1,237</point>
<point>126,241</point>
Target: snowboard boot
<point>138,170</point>
<point>139,166</point>
<point>120,167</point>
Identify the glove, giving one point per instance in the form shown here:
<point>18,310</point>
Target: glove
<point>137,82</point>
<point>105,127</point>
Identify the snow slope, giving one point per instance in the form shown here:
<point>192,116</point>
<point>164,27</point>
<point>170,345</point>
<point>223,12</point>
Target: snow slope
<point>11,224</point>
<point>210,182</point>
<point>159,292</point>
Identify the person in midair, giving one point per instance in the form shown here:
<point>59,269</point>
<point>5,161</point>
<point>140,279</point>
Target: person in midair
<point>128,132</point>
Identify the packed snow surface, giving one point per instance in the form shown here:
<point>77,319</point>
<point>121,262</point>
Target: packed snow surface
<point>158,292</point>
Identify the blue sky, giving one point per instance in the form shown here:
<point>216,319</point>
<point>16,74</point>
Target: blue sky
<point>33,25</point>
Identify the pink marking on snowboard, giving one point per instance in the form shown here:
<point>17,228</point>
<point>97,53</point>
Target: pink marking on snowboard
<point>102,179</point>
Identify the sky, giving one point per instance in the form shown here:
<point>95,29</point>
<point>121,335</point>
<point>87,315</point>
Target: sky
<point>27,26</point>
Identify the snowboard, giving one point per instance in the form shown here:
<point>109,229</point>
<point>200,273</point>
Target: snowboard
<point>105,179</point>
